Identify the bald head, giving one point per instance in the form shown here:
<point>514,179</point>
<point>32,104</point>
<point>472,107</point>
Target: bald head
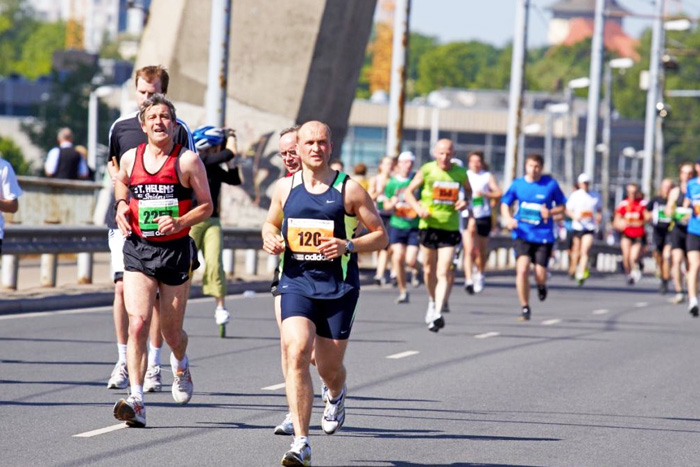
<point>314,143</point>
<point>443,153</point>
<point>314,126</point>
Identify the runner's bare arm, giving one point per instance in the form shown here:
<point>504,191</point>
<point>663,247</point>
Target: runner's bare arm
<point>411,199</point>
<point>272,228</point>
<point>121,191</point>
<point>359,203</point>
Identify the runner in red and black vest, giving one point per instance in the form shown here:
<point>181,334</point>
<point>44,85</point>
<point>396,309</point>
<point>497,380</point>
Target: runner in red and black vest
<point>630,217</point>
<point>161,178</point>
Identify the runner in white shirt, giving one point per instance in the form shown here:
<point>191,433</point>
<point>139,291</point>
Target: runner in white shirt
<point>583,207</point>
<point>476,234</point>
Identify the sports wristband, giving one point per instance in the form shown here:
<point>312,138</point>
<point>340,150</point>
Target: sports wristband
<point>116,203</point>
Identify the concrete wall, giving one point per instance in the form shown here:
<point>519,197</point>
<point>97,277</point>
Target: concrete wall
<point>289,62</point>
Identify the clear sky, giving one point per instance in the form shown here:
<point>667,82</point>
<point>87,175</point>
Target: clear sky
<point>493,21</point>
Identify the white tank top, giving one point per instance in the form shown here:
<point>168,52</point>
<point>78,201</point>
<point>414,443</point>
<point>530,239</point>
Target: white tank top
<point>480,184</point>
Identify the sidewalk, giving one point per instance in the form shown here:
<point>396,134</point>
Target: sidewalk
<point>30,297</point>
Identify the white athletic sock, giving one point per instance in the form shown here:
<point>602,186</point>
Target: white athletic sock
<point>121,351</point>
<point>692,301</point>
<point>137,391</point>
<point>176,364</point>
<point>301,440</point>
<point>153,355</point>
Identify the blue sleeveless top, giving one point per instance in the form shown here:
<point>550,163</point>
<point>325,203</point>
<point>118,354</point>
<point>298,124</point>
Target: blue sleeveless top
<point>307,218</point>
<point>692,191</point>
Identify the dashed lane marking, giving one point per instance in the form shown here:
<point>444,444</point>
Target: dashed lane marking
<point>641,304</point>
<point>486,335</point>
<point>274,387</point>
<point>101,431</point>
<point>405,354</point>
<point>550,322</point>
<point>601,311</point>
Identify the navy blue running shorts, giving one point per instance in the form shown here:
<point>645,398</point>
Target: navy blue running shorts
<point>333,317</point>
<point>403,236</point>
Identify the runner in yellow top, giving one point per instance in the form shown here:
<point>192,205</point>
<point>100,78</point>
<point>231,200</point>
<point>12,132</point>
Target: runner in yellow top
<point>438,209</point>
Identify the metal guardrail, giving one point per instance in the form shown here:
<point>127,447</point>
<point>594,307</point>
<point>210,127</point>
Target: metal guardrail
<point>51,240</point>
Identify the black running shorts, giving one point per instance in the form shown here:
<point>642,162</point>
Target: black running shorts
<point>170,262</point>
<point>693,242</point>
<point>438,238</point>
<point>539,253</point>
<point>679,234</point>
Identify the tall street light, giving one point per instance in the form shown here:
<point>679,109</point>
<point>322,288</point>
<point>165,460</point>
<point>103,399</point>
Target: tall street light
<point>617,63</point>
<point>99,92</point>
<point>577,83</point>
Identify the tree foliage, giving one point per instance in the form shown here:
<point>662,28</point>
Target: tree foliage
<point>27,44</point>
<point>454,65</point>
<point>13,154</point>
<point>68,107</point>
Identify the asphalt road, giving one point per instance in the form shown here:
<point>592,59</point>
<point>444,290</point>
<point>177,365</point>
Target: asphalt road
<point>604,375</point>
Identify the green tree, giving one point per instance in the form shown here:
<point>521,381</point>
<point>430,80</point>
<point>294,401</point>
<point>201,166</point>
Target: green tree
<point>16,25</point>
<point>13,154</point>
<point>37,51</point>
<point>456,64</point>
<point>68,107</point>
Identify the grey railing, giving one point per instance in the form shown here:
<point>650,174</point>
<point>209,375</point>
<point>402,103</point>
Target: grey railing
<point>50,241</point>
<point>84,241</point>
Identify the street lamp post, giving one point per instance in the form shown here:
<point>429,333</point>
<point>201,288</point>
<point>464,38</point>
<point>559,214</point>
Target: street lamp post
<point>102,91</point>
<point>620,63</point>
<point>569,146</point>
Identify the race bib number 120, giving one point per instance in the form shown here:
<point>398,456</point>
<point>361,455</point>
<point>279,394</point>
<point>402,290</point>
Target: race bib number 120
<point>304,236</point>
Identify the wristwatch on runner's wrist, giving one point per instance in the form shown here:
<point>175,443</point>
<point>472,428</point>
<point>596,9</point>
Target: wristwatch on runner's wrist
<point>349,247</point>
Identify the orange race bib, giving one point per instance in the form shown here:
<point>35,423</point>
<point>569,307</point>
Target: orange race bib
<point>405,211</point>
<point>445,192</point>
<point>304,237</point>
<point>587,215</point>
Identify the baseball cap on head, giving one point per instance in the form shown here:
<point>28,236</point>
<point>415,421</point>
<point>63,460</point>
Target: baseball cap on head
<point>584,178</point>
<point>406,156</point>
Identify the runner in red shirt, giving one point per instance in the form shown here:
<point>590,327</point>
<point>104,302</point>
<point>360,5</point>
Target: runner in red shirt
<point>630,217</point>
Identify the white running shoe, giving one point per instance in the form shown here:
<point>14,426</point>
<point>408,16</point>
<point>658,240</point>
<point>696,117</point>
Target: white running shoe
<point>478,283</point>
<point>403,298</point>
<point>334,414</point>
<point>132,411</point>
<point>286,427</point>
<point>299,455</point>
<point>430,313</point>
<point>182,386</point>
<point>152,382</point>
<point>222,316</point>
<point>636,275</point>
<point>678,299</point>
<point>119,378</point>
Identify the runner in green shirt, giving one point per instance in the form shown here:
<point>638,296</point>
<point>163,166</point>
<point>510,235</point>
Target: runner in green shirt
<point>403,225</point>
<point>438,210</point>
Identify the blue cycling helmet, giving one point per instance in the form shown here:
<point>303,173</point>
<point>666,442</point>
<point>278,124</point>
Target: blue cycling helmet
<point>206,137</point>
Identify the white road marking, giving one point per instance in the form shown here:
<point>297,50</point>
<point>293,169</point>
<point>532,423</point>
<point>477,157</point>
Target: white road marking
<point>53,313</point>
<point>641,304</point>
<point>101,431</point>
<point>405,354</point>
<point>550,322</point>
<point>600,311</point>
<point>274,387</point>
<point>486,335</point>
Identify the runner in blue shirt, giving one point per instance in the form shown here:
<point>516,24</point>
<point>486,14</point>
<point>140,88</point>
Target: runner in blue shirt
<point>539,199</point>
<point>692,200</point>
